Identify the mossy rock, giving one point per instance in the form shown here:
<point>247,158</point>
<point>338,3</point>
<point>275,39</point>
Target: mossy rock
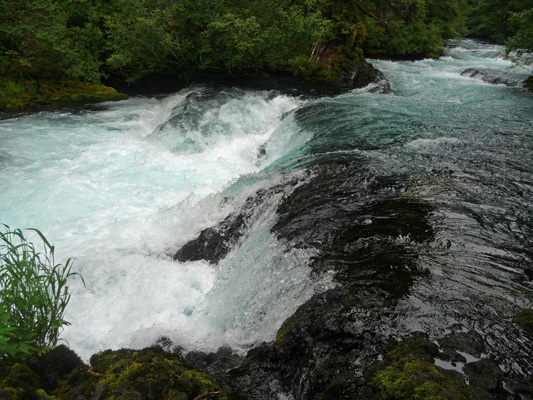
<point>525,319</point>
<point>409,373</point>
<point>21,383</point>
<point>54,94</point>
<point>144,374</point>
<point>36,377</point>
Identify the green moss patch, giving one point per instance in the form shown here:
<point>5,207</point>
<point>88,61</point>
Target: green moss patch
<point>147,374</point>
<point>525,319</point>
<point>19,382</point>
<point>53,94</point>
<point>408,373</point>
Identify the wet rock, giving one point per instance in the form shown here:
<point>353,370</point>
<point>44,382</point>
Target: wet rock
<point>37,377</point>
<point>325,349</point>
<point>485,378</point>
<point>215,364</point>
<point>214,243</point>
<point>351,75</point>
<point>100,391</point>
<point>467,342</point>
<point>528,83</point>
<point>364,242</point>
<point>360,74</point>
<point>492,76</point>
<point>520,387</point>
<point>20,382</point>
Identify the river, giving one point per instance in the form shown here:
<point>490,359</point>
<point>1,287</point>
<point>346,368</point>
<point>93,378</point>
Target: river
<point>121,187</point>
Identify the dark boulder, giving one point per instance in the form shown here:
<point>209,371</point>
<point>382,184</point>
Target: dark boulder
<point>493,76</point>
<point>360,74</point>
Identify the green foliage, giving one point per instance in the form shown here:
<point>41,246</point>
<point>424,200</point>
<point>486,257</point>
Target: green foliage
<point>44,39</point>
<point>34,295</point>
<point>87,40</point>
<point>184,37</point>
<point>493,19</point>
<point>522,23</point>
<point>404,28</point>
<point>415,39</point>
<point>304,67</point>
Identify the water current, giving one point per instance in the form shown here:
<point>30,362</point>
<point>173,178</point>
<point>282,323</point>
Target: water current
<point>122,186</point>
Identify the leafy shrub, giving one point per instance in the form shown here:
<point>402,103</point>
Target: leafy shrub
<point>33,295</point>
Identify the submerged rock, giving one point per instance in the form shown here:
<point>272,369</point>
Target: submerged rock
<point>326,348</point>
<point>528,83</point>
<point>492,76</point>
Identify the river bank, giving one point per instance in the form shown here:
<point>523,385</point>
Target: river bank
<point>49,95</point>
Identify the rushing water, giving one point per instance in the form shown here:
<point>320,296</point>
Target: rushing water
<point>122,186</point>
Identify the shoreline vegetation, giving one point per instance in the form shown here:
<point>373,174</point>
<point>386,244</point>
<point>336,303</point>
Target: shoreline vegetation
<point>56,53</point>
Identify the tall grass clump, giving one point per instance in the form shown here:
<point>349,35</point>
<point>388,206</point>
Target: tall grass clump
<point>33,295</point>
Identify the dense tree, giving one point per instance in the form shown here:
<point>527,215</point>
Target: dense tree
<point>210,35</point>
<point>46,38</point>
<point>492,19</point>
<point>87,40</point>
<point>522,24</point>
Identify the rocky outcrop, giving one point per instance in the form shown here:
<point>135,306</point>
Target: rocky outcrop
<point>348,342</point>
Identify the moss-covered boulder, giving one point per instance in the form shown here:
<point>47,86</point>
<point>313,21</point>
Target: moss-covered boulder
<point>148,374</point>
<point>38,377</point>
<point>409,373</point>
<point>144,374</point>
<point>53,94</point>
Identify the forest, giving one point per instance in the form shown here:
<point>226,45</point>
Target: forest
<point>81,44</point>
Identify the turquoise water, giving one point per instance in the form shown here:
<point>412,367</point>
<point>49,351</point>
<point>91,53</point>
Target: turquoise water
<point>121,186</point>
